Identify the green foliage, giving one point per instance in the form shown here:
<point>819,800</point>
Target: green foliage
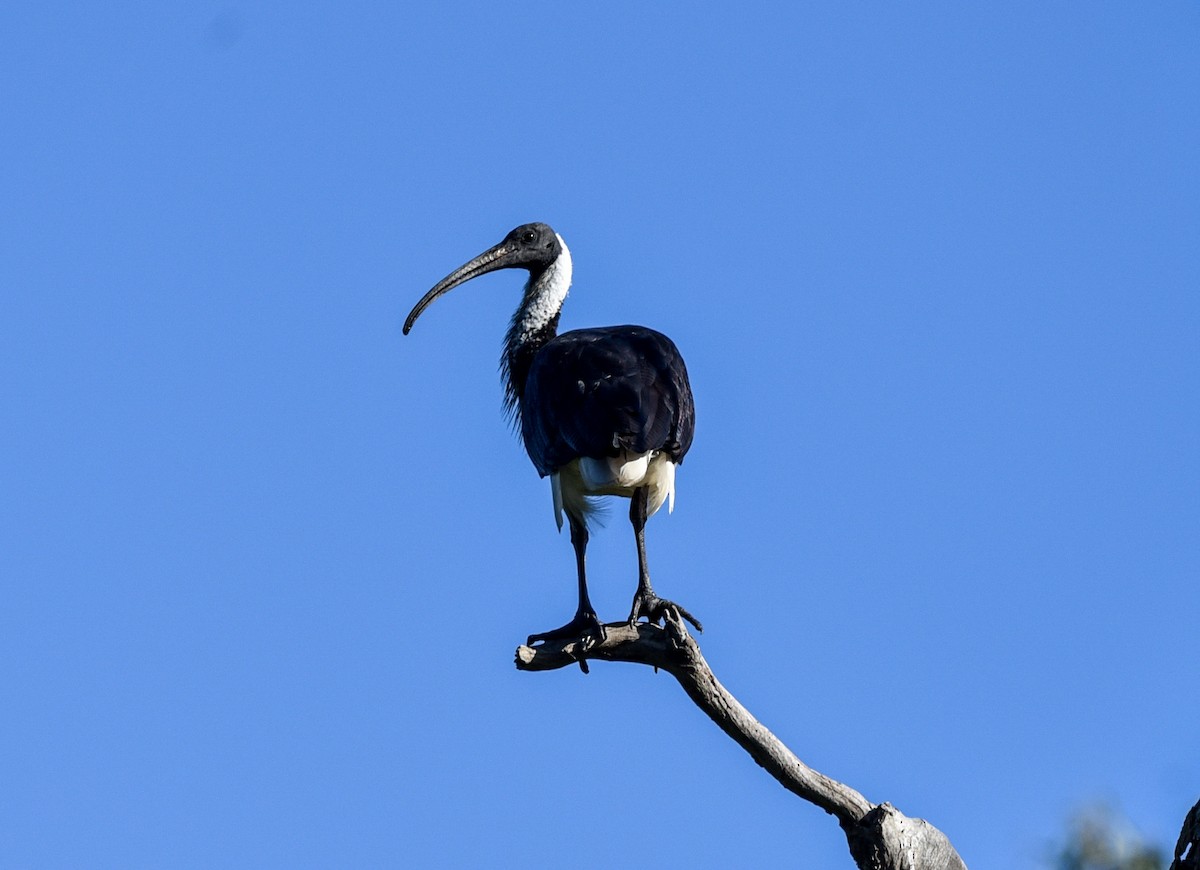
<point>1099,840</point>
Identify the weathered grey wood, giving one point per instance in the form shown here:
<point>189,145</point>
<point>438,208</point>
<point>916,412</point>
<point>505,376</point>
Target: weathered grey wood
<point>1189,838</point>
<point>886,839</point>
<point>880,837</point>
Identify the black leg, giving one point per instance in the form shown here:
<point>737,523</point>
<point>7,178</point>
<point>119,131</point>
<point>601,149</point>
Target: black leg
<point>585,620</point>
<point>637,517</point>
<point>645,602</point>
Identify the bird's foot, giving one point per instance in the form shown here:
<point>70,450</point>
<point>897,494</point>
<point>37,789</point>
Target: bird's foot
<point>652,607</point>
<point>584,623</point>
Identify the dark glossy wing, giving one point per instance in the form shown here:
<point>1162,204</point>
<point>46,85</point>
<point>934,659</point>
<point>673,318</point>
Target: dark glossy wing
<point>591,392</point>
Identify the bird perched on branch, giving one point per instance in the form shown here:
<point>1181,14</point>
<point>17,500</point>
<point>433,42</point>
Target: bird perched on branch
<point>602,412</point>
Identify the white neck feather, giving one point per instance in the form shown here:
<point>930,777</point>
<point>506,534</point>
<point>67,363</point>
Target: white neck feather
<point>544,297</point>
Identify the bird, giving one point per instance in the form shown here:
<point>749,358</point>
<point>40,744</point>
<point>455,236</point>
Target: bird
<point>602,412</point>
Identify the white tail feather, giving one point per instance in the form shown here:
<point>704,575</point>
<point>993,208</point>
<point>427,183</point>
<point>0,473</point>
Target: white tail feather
<point>556,492</point>
<point>575,485</point>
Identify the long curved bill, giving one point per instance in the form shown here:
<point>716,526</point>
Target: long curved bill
<point>489,261</point>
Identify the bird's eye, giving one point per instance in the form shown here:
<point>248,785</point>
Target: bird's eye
<point>530,236</point>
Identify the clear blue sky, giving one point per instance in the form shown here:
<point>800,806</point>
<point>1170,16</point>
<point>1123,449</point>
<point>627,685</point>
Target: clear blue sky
<point>934,268</point>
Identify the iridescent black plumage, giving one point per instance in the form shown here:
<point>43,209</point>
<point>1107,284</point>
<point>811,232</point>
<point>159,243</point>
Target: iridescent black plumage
<point>595,392</point>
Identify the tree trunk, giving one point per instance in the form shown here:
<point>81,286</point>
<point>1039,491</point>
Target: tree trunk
<point>1187,850</point>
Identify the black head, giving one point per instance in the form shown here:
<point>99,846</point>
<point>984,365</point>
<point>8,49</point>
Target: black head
<point>530,246</point>
<point>534,246</point>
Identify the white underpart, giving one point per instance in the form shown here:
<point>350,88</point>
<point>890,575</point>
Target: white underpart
<point>617,475</point>
<point>545,299</point>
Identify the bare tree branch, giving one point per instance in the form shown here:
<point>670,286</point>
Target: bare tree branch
<point>880,836</point>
